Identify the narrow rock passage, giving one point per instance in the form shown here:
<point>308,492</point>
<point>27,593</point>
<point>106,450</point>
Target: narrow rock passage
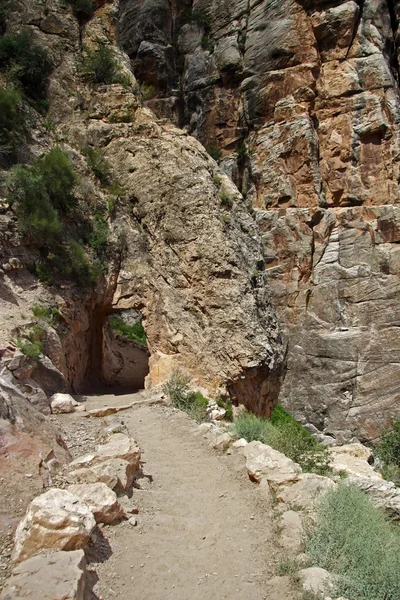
<point>204,530</point>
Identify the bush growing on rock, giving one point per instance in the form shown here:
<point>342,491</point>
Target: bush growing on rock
<point>133,332</point>
<point>182,397</point>
<point>32,350</point>
<point>283,433</point>
<point>59,178</point>
<point>100,66</point>
<point>388,450</point>
<point>97,163</point>
<point>36,215</point>
<point>354,541</point>
<point>12,119</point>
<point>26,63</point>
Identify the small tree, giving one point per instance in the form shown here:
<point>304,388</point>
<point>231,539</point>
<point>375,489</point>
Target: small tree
<point>100,66</point>
<point>12,119</point>
<point>36,215</point>
<point>59,177</point>
<point>27,63</point>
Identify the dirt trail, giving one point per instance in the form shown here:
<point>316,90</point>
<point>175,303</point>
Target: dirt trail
<point>204,530</point>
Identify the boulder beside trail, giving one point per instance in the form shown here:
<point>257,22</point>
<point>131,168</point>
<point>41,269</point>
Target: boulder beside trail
<point>100,499</point>
<point>262,461</point>
<point>120,446</point>
<point>117,473</point>
<point>49,576</point>
<point>56,520</point>
<point>62,403</point>
<point>305,492</point>
<point>353,460</point>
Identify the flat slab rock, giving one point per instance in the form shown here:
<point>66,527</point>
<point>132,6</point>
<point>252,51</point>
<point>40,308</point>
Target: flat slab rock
<point>56,520</point>
<point>100,499</point>
<point>262,461</point>
<point>304,493</point>
<point>353,459</point>
<point>49,576</point>
<point>119,446</point>
<point>117,473</point>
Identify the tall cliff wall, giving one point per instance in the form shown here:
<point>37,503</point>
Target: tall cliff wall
<point>183,243</point>
<point>299,100</point>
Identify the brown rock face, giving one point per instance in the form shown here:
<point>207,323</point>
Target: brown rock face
<point>312,88</point>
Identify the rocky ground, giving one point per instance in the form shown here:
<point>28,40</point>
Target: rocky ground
<point>196,525</point>
<point>154,505</point>
<point>203,530</point>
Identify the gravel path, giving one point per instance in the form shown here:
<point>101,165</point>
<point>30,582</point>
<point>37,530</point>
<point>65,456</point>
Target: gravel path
<point>204,531</point>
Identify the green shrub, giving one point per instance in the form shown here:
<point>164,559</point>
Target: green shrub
<point>36,215</point>
<point>78,265</point>
<point>98,239</point>
<point>178,391</point>
<point>214,152</point>
<point>44,274</point>
<point>59,178</point>
<point>100,66</point>
<point>200,17</point>
<point>97,163</point>
<point>12,120</point>
<point>225,199</point>
<point>83,9</point>
<point>26,62</point>
<point>353,540</point>
<point>227,405</point>
<point>133,332</point>
<point>48,314</point>
<point>32,350</point>
<point>36,333</point>
<point>388,450</point>
<point>286,435</point>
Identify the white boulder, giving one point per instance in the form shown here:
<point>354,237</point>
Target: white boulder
<point>56,520</point>
<point>353,459</point>
<point>315,580</point>
<point>304,493</point>
<point>100,499</point>
<point>262,461</point>
<point>62,403</point>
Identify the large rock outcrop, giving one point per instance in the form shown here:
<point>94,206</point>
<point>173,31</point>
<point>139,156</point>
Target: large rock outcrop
<point>301,99</point>
<point>186,252</point>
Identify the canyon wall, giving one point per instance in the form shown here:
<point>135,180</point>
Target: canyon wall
<point>299,101</point>
<point>183,246</point>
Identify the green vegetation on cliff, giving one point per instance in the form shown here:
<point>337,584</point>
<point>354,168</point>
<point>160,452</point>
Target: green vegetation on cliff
<point>133,332</point>
<point>355,542</point>
<point>388,450</point>
<point>25,64</point>
<point>42,195</point>
<point>12,120</point>
<point>286,435</point>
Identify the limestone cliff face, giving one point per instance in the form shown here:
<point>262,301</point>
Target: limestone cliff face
<point>185,247</point>
<point>302,100</point>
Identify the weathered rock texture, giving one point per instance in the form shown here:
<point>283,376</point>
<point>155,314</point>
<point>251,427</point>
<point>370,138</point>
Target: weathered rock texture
<point>50,576</point>
<point>301,98</point>
<point>186,252</point>
<point>56,520</point>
